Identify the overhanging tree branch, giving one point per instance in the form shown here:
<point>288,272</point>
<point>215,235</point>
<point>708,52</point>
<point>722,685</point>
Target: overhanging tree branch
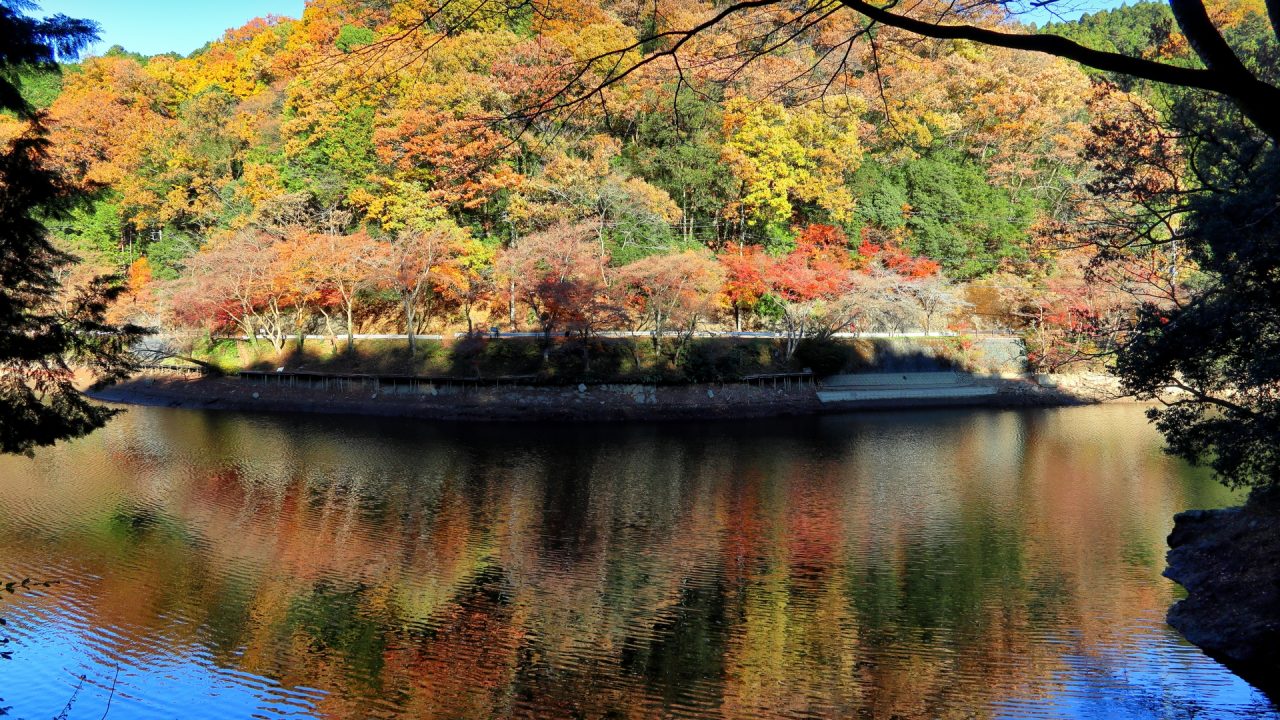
<point>1223,72</point>
<point>1273,14</point>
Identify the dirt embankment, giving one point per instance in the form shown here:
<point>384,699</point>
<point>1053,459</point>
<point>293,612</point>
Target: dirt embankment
<point>1229,562</point>
<point>498,403</point>
<point>618,401</point>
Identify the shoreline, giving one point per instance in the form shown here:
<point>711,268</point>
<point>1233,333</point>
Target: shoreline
<point>602,402</point>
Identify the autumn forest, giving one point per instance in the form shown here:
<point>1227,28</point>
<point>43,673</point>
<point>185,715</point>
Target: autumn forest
<point>360,170</point>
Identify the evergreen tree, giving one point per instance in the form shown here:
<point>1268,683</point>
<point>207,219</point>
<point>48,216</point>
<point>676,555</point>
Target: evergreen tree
<point>44,327</point>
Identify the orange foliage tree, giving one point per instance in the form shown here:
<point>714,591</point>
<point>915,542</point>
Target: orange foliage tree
<point>673,291</point>
<point>556,275</point>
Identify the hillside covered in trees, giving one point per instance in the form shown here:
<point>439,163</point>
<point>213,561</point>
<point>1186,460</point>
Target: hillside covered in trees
<point>348,172</point>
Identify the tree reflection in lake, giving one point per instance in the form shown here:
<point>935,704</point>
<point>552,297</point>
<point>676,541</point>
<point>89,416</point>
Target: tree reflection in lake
<point>925,564</point>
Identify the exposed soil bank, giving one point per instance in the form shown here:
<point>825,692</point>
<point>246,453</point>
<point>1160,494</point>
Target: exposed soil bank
<point>595,402</point>
<point>1229,562</point>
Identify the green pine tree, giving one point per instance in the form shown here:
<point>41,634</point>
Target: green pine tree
<point>45,329</point>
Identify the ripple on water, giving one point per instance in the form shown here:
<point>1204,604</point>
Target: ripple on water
<point>957,564</point>
<point>142,676</point>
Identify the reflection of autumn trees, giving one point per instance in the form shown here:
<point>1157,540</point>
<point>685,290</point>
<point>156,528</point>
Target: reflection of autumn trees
<point>578,572</point>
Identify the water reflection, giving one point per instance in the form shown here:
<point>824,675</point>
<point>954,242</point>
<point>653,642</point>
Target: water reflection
<point>945,564</point>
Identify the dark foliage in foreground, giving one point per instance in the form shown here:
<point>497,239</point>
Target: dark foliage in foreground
<point>44,327</point>
<point>1220,350</point>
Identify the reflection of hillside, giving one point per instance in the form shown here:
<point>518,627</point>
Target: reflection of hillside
<point>912,565</point>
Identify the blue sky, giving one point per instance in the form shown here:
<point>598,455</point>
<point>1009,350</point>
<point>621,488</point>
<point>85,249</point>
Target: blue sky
<point>156,26</point>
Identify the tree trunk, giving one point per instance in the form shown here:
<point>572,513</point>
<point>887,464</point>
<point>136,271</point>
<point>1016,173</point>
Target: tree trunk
<point>329,330</point>
<point>511,305</point>
<point>300,329</point>
<point>410,323</point>
<point>604,279</point>
<point>351,329</point>
<point>684,339</point>
<point>251,332</point>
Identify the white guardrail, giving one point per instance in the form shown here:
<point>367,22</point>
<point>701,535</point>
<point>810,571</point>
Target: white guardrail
<point>637,333</point>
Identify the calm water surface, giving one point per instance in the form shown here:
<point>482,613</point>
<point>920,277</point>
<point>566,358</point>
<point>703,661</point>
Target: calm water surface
<point>958,564</point>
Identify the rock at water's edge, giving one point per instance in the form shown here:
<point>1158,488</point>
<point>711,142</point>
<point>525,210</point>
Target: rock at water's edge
<point>1229,562</point>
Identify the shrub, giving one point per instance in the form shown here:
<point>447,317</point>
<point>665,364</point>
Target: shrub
<point>714,362</point>
<point>823,356</point>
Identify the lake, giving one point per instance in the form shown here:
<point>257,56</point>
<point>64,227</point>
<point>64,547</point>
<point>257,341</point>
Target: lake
<point>925,564</point>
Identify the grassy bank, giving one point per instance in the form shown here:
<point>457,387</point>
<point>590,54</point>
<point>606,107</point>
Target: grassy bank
<point>566,360</point>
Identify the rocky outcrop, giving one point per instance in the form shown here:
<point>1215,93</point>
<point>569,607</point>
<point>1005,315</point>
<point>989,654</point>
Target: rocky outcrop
<point>1229,562</point>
